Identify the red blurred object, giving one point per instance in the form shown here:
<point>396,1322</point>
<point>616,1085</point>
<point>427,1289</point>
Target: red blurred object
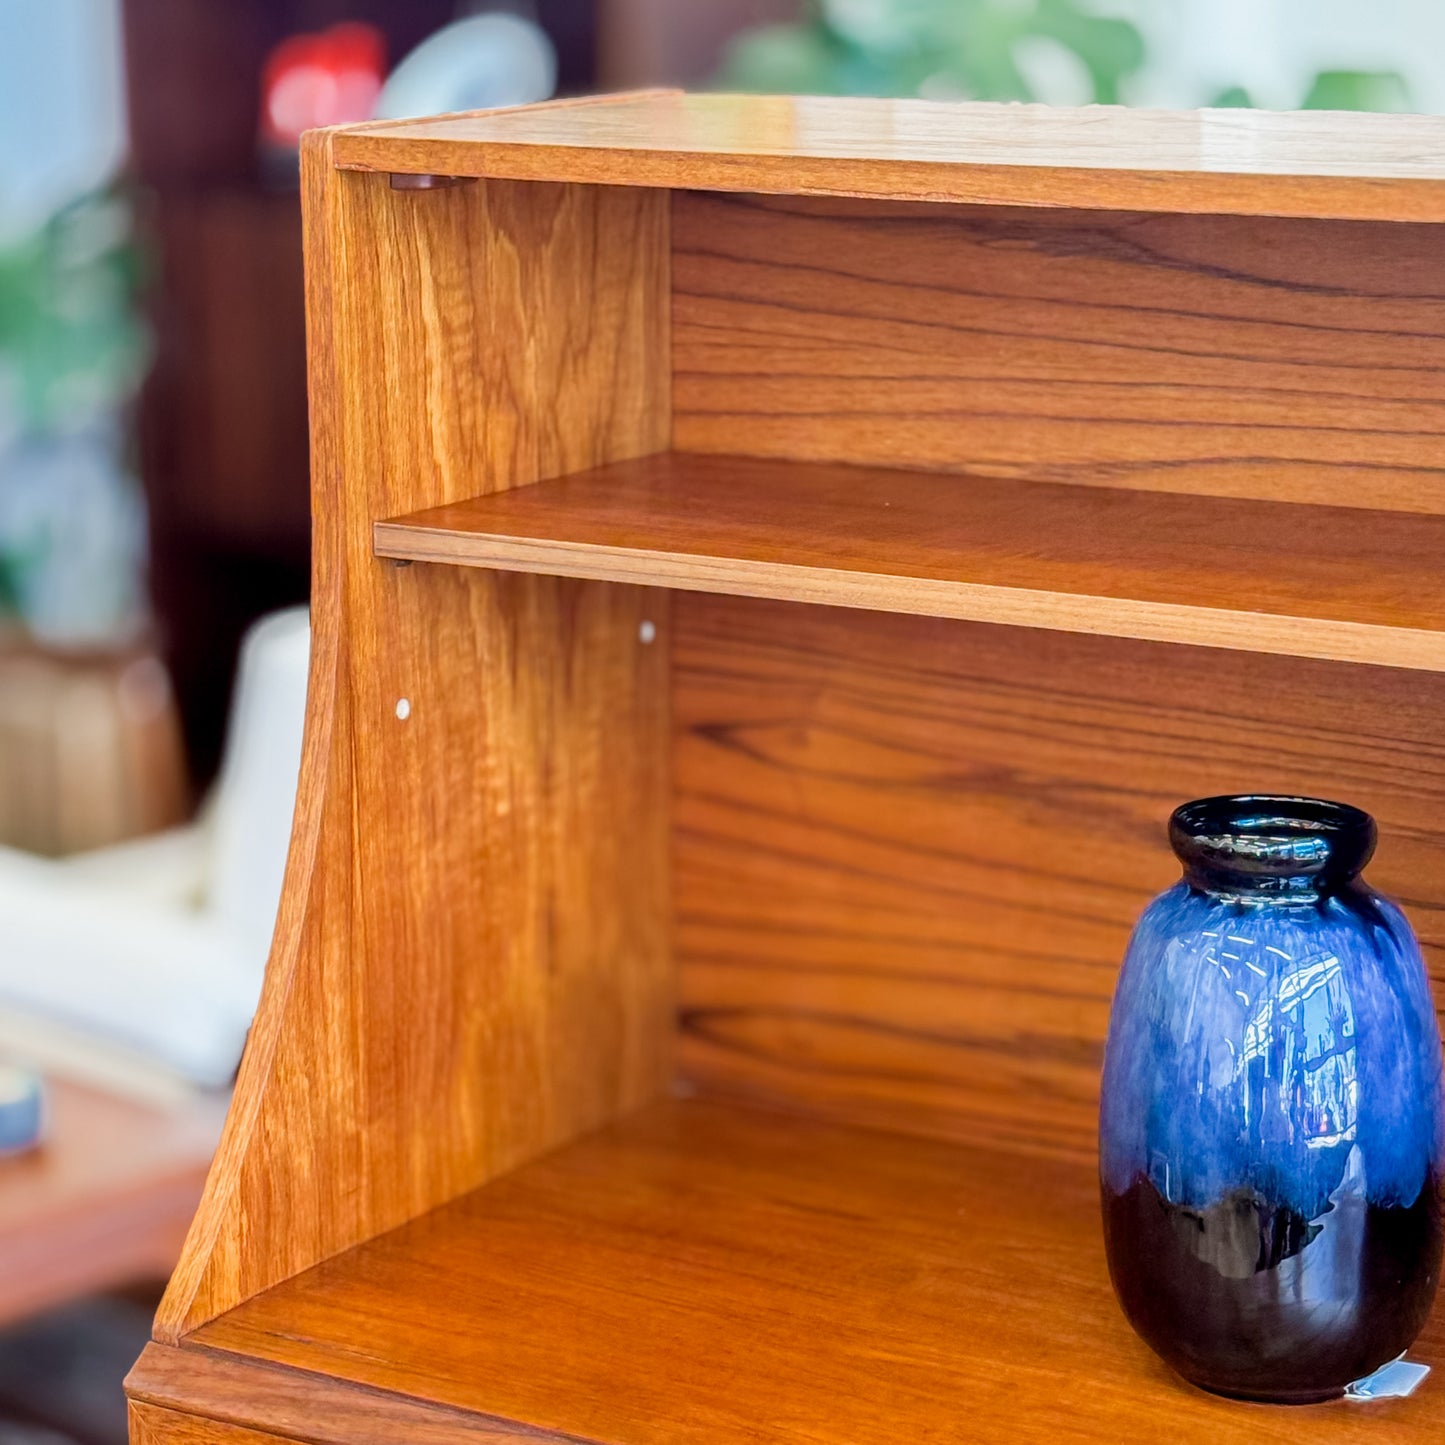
<point>330,78</point>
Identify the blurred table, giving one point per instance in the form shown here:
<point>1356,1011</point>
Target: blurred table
<point>106,1202</point>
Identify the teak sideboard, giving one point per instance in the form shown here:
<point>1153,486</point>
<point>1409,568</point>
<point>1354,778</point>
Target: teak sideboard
<point>777,564</point>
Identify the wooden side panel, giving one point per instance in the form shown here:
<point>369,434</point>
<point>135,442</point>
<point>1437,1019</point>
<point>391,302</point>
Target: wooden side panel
<point>1301,360</point>
<point>909,853</point>
<point>471,964</point>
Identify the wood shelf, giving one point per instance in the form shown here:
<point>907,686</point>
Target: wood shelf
<point>1309,581</point>
<point>713,1274</point>
<point>1242,162</point>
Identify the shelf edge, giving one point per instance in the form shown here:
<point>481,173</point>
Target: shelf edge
<point>1325,639</point>
<point>1291,197</point>
<point>220,1387</point>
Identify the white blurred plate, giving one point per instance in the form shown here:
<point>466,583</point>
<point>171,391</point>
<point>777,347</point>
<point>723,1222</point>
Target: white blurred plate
<point>479,63</point>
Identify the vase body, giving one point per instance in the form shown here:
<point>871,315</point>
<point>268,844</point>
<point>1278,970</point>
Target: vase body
<point>1271,1125</point>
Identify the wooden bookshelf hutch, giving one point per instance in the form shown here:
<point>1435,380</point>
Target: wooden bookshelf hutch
<point>777,563</point>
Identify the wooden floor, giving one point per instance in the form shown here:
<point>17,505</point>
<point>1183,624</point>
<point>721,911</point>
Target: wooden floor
<point>704,1274</point>
<point>1313,581</point>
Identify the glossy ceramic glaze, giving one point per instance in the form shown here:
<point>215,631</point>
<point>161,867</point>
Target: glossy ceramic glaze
<point>1271,1132</point>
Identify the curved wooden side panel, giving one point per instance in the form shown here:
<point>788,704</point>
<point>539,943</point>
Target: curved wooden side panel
<point>471,961</point>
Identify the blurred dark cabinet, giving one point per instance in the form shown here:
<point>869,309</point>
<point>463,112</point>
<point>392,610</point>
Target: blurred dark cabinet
<point>676,42</point>
<point>194,68</point>
<point>222,428</point>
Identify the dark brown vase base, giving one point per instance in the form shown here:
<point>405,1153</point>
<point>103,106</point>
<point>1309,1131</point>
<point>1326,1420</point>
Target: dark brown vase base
<point>1305,1397</point>
<point>1258,1303</point>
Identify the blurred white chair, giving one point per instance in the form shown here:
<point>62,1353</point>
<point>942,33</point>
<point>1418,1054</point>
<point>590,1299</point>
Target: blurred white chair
<point>149,956</point>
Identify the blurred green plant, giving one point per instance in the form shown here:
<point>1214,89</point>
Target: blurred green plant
<point>984,50</point>
<point>1340,90</point>
<point>975,49</point>
<point>72,347</point>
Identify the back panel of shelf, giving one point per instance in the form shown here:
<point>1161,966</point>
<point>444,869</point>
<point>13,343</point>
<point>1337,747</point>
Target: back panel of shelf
<point>1240,356</point>
<point>908,852</point>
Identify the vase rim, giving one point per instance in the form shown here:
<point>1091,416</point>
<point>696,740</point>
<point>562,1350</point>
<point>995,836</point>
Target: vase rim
<point>1266,843</point>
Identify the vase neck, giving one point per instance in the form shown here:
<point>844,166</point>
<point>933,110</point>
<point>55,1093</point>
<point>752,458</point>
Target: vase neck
<point>1259,848</point>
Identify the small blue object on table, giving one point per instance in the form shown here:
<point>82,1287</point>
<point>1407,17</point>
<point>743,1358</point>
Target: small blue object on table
<point>22,1110</point>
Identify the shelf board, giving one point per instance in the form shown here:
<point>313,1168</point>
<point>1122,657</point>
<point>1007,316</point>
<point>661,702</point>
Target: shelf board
<point>715,1274</point>
<point>1277,577</point>
<point>1240,162</point>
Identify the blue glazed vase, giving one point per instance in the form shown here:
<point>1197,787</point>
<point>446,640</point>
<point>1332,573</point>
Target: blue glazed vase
<point>1272,1130</point>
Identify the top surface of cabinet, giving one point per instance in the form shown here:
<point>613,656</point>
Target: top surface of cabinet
<point>1246,162</point>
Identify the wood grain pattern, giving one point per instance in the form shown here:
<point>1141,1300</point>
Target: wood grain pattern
<point>1310,163</point>
<point>908,853</point>
<point>105,1202</point>
<point>1295,360</point>
<point>471,961</point>
<point>713,1275</point>
<point>150,1425</point>
<point>1263,576</point>
<point>179,1394</point>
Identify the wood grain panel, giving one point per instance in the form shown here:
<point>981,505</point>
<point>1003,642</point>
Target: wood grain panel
<point>711,1276</point>
<point>1237,162</point>
<point>1303,361</point>
<point>189,1394</point>
<point>909,853</point>
<point>471,959</point>
<point>150,1425</point>
<point>1262,576</point>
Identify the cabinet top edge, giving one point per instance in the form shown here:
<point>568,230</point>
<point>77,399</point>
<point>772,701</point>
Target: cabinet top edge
<point>1321,164</point>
